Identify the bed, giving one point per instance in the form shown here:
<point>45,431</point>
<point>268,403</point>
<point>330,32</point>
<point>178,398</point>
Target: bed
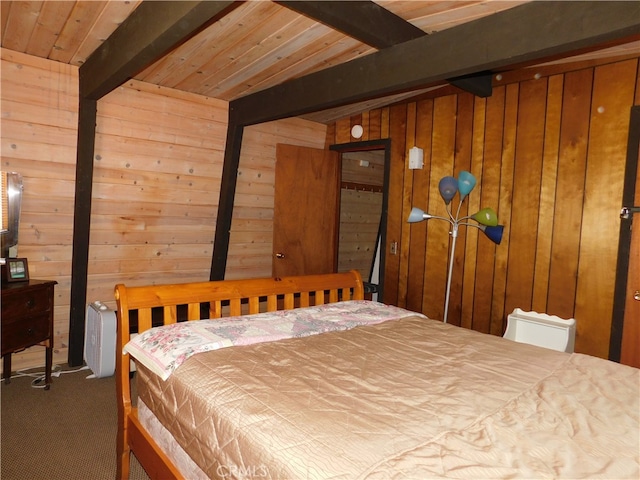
<point>300,377</point>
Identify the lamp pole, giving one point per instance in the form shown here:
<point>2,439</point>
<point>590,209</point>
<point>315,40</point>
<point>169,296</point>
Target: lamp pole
<point>486,218</point>
<point>452,254</point>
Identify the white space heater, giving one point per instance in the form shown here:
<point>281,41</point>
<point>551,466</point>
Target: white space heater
<point>100,340</point>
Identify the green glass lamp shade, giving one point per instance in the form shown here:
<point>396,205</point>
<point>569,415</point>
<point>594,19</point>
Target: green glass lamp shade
<point>494,233</point>
<point>466,182</point>
<point>486,216</point>
<point>448,187</point>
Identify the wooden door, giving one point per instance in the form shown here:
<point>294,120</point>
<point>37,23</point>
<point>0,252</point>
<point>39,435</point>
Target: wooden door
<point>306,209</point>
<point>630,350</point>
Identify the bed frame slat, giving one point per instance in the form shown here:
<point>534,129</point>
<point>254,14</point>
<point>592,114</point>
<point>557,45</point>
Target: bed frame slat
<point>144,319</point>
<point>333,296</point>
<point>304,299</point>
<point>288,301</point>
<point>170,314</point>
<point>235,307</point>
<point>215,309</point>
<point>193,311</point>
<point>272,303</point>
<point>254,305</point>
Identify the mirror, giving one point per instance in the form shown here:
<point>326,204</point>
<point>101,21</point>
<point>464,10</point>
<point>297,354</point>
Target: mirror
<point>360,211</point>
<point>11,200</point>
<point>363,211</point>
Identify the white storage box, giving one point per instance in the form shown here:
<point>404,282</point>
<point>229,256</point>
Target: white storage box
<point>548,331</point>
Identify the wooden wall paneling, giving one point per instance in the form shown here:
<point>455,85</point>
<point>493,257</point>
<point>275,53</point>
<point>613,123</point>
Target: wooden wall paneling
<point>574,132</point>
<point>31,92</point>
<point>526,193</point>
<point>396,130</point>
<point>505,207</point>
<point>491,185</point>
<point>407,193</point>
<point>375,120</point>
<point>36,82</point>
<point>42,137</point>
<point>343,131</point>
<point>4,16</point>
<point>613,93</point>
<point>516,158</point>
<point>156,182</point>
<point>438,237</point>
<point>331,135</point>
<point>24,112</point>
<point>420,199</point>
<point>465,143</point>
<point>125,116</point>
<point>489,193</point>
<point>385,122</point>
<point>364,120</point>
<point>548,193</point>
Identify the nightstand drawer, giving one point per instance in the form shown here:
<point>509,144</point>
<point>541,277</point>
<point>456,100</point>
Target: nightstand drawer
<point>25,332</point>
<point>34,301</point>
<point>27,319</point>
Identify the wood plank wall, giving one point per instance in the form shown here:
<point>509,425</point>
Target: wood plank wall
<point>39,101</point>
<point>157,173</point>
<point>548,149</point>
<point>251,240</point>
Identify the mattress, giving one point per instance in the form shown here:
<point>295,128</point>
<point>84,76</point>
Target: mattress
<point>405,398</point>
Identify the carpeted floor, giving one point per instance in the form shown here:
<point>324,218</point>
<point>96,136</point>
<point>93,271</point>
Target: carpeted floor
<point>65,433</point>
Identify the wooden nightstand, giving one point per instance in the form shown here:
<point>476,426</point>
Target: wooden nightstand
<point>27,319</point>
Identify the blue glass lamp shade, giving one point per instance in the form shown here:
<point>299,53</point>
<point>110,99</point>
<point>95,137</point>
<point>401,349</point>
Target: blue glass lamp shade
<point>494,233</point>
<point>486,216</point>
<point>417,215</point>
<point>466,182</point>
<point>448,187</point>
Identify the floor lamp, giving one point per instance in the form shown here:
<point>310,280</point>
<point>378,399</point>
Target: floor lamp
<point>486,218</point>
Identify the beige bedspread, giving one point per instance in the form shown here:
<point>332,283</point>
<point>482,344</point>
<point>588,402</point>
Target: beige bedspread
<point>410,398</point>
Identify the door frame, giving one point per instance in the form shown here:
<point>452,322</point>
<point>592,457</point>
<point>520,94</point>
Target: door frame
<point>624,244</point>
<point>368,145</point>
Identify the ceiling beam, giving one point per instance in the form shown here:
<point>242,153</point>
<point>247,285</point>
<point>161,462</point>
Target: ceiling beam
<point>152,30</point>
<point>480,84</point>
<point>522,35</point>
<point>369,23</point>
<point>365,21</point>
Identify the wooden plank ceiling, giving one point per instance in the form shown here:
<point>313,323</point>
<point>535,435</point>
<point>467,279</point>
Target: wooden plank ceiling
<point>256,45</point>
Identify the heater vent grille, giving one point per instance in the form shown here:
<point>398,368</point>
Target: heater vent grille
<point>100,340</point>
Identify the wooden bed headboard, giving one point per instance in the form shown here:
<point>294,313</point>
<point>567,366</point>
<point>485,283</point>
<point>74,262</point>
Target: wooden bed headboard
<point>224,298</point>
<point>241,297</point>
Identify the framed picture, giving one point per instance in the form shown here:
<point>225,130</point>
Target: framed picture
<point>16,270</point>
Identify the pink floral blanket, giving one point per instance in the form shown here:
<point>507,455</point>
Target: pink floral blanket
<point>163,349</point>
